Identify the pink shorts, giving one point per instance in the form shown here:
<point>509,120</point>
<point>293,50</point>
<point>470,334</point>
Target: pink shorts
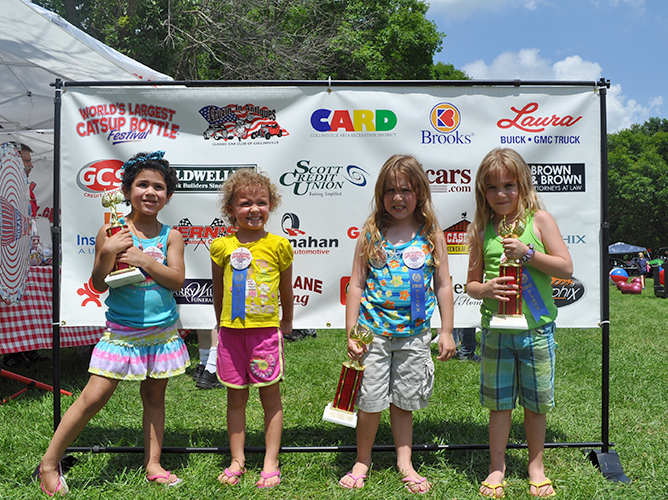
<point>252,357</point>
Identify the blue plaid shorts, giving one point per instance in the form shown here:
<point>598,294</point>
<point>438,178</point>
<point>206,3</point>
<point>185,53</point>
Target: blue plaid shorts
<point>518,365</point>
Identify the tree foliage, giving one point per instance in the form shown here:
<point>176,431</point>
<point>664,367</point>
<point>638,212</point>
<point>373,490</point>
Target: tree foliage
<point>638,184</point>
<point>268,39</point>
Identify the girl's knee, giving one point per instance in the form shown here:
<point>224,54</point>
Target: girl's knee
<point>270,396</point>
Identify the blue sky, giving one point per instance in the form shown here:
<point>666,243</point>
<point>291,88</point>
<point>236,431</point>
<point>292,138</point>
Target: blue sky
<point>624,41</point>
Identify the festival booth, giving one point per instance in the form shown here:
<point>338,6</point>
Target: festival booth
<point>323,144</point>
<point>36,47</point>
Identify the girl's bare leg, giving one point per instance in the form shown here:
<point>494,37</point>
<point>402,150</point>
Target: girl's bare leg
<point>535,425</point>
<point>153,399</point>
<point>237,399</point>
<point>499,430</point>
<point>367,427</point>
<point>402,431</point>
<point>92,399</point>
<point>270,396</point>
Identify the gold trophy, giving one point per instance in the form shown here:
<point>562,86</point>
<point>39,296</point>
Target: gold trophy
<point>510,315</point>
<point>342,409</point>
<point>123,274</point>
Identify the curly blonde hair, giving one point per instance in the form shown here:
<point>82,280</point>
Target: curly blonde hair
<point>380,220</point>
<point>493,164</point>
<point>245,179</point>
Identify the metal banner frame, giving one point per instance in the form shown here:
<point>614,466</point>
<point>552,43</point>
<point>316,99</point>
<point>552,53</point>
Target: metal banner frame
<point>600,454</point>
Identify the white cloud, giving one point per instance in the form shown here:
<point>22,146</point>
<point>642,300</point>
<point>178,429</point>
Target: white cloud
<point>528,65</point>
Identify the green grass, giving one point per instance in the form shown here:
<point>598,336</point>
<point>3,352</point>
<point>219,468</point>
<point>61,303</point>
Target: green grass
<point>638,423</point>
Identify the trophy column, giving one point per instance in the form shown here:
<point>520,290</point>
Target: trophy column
<point>123,274</point>
<point>342,409</point>
<point>509,316</point>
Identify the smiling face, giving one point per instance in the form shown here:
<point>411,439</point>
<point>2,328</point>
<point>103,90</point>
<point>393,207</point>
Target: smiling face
<point>502,194</point>
<point>399,199</point>
<point>250,207</point>
<point>148,193</point>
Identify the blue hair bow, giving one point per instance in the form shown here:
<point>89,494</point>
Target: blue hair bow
<point>156,155</point>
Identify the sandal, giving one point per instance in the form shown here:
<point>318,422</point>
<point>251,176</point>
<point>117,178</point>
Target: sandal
<point>493,487</point>
<point>167,483</point>
<point>355,479</point>
<point>231,475</point>
<point>61,489</point>
<point>268,475</point>
<point>538,486</point>
<point>411,483</point>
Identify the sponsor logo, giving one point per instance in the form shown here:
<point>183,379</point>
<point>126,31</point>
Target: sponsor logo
<point>308,245</point>
<point>302,285</point>
<point>445,119</point>
<point>356,123</point>
<point>195,291</point>
<point>461,298</point>
<point>455,237</point>
<point>322,180</point>
<point>353,232</point>
<point>574,239</point>
<point>567,292</point>
<point>558,177</point>
<point>99,176</point>
<point>525,120</point>
<point>345,282</point>
<point>449,181</point>
<point>204,179</point>
<point>127,122</point>
<point>243,122</point>
<point>90,294</point>
<point>202,235</point>
<point>85,245</point>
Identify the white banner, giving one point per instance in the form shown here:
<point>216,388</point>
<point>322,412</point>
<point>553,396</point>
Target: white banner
<point>323,148</point>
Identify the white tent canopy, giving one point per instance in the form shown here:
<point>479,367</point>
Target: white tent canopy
<point>36,47</point>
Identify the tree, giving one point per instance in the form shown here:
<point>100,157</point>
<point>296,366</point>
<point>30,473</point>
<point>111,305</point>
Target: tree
<point>443,71</point>
<point>268,39</point>
<point>638,184</point>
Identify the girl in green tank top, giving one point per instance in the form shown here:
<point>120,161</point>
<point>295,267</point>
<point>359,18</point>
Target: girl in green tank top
<point>505,195</point>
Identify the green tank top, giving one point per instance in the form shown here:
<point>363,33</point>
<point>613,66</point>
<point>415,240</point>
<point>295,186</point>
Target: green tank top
<point>492,251</point>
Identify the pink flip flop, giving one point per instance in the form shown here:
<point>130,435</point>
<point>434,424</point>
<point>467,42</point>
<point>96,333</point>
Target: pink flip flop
<point>268,475</point>
<point>355,479</point>
<point>61,489</point>
<point>229,474</point>
<point>165,476</point>
<point>408,482</point>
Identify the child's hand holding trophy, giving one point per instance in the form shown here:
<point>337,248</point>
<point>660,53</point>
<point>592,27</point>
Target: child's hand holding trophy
<point>509,316</point>
<point>123,274</point>
<point>342,409</point>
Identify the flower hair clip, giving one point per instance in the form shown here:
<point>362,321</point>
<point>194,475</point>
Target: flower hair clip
<point>156,155</point>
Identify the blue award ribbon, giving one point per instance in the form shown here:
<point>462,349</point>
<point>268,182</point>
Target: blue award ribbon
<point>239,293</point>
<point>532,297</point>
<point>416,277</point>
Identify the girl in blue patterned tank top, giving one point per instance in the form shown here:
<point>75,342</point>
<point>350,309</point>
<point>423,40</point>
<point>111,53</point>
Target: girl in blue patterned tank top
<point>400,252</point>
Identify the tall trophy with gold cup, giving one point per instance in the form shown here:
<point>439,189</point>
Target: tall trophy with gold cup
<point>123,274</point>
<point>509,316</point>
<point>342,409</point>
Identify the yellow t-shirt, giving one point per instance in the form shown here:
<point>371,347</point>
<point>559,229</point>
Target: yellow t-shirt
<point>271,256</point>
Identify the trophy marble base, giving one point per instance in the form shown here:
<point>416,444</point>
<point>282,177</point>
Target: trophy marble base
<point>508,322</point>
<point>338,416</point>
<point>128,276</point>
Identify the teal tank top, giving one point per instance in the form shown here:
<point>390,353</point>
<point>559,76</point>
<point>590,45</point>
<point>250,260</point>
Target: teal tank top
<point>146,304</point>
